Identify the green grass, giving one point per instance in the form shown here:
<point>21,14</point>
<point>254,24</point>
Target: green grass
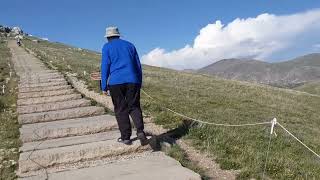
<point>9,127</point>
<point>221,101</point>
<point>311,87</point>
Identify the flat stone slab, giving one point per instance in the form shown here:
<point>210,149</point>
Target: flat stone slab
<point>60,114</point>
<point>48,99</point>
<point>45,93</point>
<point>59,83</point>
<point>41,74</point>
<point>75,153</point>
<point>68,141</point>
<point>69,127</point>
<point>34,81</point>
<point>25,79</point>
<point>48,88</point>
<point>38,63</point>
<point>39,71</point>
<point>156,166</point>
<point>53,106</point>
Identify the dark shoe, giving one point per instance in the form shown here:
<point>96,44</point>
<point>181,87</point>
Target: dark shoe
<point>143,139</point>
<point>126,141</point>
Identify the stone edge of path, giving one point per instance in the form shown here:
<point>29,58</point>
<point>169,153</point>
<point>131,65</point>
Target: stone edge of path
<point>201,159</point>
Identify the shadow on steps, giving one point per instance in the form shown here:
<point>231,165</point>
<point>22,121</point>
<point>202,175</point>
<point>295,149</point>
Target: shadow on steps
<point>171,136</point>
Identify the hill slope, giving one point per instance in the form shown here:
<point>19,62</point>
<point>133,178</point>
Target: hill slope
<point>310,87</point>
<point>220,101</point>
<point>289,73</point>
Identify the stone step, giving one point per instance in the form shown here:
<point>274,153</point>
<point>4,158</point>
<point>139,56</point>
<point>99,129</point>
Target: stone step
<point>49,88</point>
<point>76,127</point>
<point>34,81</point>
<point>48,99</point>
<point>155,166</point>
<point>38,71</point>
<point>43,69</point>
<point>69,127</point>
<point>75,153</point>
<point>45,93</point>
<point>26,70</point>
<point>26,79</point>
<point>39,75</point>
<point>69,141</point>
<point>60,114</point>
<point>34,77</point>
<point>53,106</point>
<point>59,83</point>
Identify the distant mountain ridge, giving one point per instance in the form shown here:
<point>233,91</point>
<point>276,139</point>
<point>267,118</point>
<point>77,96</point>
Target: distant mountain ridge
<point>289,73</point>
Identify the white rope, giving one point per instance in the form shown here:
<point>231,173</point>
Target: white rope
<point>204,122</point>
<point>299,140</point>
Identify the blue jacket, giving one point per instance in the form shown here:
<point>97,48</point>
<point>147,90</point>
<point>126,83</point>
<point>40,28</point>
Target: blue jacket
<point>120,63</point>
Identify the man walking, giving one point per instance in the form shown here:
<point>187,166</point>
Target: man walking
<point>121,73</point>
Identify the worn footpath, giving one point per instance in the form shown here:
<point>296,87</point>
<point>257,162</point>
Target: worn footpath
<point>65,137</point>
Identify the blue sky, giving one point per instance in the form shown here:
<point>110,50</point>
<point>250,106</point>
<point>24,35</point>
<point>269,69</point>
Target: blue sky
<point>166,24</point>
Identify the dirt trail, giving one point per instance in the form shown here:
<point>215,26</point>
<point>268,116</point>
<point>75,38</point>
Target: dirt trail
<point>65,137</point>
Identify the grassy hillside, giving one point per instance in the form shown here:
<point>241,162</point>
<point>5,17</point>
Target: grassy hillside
<point>9,127</point>
<point>221,101</point>
<point>311,87</point>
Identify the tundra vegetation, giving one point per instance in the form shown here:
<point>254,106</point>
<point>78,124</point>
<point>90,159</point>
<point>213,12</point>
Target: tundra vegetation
<point>221,101</point>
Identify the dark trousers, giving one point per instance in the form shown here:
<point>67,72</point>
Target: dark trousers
<point>126,101</point>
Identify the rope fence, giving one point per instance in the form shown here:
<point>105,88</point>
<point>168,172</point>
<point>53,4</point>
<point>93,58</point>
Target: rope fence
<point>273,123</point>
<point>299,140</point>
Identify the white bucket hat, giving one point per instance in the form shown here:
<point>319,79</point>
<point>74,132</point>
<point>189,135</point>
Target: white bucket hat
<point>112,31</point>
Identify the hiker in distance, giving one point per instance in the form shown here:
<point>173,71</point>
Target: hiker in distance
<point>18,41</point>
<point>121,74</point>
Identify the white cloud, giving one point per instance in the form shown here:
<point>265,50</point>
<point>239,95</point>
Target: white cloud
<point>257,37</point>
<point>316,46</point>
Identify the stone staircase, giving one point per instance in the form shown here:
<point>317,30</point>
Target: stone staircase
<point>65,137</point>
